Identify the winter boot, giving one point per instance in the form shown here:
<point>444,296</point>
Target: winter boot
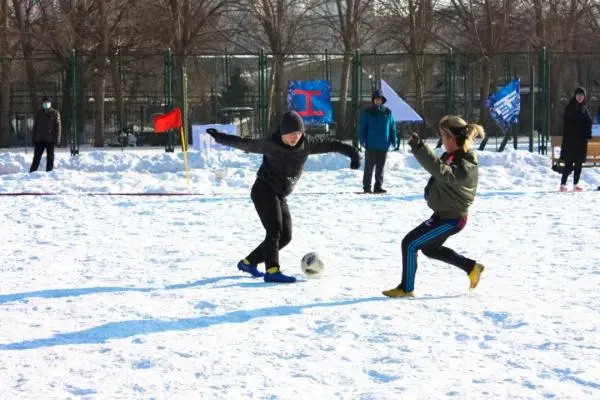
<point>274,275</point>
<point>397,292</point>
<point>474,275</point>
<point>244,265</point>
<point>563,188</point>
<point>578,188</point>
<point>379,190</point>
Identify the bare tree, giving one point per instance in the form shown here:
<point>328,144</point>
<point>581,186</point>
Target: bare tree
<point>6,53</point>
<point>25,19</point>
<point>185,26</point>
<point>350,23</point>
<point>100,74</point>
<point>281,26</point>
<point>94,30</point>
<point>412,25</point>
<point>484,25</point>
<point>560,26</point>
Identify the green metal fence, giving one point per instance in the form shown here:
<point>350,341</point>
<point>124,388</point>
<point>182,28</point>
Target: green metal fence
<point>250,90</point>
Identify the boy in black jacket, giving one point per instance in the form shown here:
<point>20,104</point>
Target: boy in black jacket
<point>284,155</point>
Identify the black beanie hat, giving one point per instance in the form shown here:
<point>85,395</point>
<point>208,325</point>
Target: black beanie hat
<point>579,90</point>
<point>291,122</point>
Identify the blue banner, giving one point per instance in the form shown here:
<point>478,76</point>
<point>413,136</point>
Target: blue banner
<point>312,100</point>
<point>505,104</point>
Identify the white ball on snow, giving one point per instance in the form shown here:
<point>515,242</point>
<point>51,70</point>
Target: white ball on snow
<point>312,265</point>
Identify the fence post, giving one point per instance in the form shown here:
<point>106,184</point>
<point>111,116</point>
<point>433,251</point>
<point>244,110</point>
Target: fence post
<point>327,66</point>
<point>450,82</point>
<point>263,118</point>
<point>168,102</point>
<point>227,67</point>
<point>449,86</point>
<point>73,140</point>
<point>356,95</point>
<point>184,110</point>
<point>544,81</point>
<point>532,97</point>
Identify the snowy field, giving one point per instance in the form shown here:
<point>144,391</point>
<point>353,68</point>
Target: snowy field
<point>131,297</point>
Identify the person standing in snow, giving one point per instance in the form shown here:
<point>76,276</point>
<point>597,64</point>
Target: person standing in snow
<point>284,154</point>
<point>577,130</point>
<point>449,192</point>
<point>46,135</point>
<point>376,132</point>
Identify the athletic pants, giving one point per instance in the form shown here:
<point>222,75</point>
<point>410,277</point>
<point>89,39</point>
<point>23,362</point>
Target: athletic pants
<point>275,216</point>
<point>429,238</point>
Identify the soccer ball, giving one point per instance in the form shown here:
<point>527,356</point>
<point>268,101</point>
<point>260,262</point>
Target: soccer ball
<point>312,265</point>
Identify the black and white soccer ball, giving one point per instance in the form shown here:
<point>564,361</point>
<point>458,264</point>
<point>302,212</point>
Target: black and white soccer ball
<point>312,265</point>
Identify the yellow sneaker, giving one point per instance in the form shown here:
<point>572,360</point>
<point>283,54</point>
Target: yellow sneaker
<point>398,293</point>
<point>475,274</point>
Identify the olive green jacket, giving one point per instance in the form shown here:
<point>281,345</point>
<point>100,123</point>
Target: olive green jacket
<point>453,183</point>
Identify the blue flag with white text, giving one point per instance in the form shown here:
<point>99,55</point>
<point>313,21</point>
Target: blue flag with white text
<point>505,104</point>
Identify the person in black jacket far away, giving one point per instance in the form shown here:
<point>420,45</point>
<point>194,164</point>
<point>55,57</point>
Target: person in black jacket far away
<point>46,135</point>
<point>284,154</point>
<point>577,130</point>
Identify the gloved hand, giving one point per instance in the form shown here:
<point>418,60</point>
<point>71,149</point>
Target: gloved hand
<point>414,139</point>
<point>355,163</point>
<point>212,131</point>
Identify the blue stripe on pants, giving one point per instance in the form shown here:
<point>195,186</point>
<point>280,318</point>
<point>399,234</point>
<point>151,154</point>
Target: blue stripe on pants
<point>413,247</point>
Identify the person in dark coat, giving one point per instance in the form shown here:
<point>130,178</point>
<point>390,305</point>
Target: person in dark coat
<point>577,130</point>
<point>284,154</point>
<point>46,134</point>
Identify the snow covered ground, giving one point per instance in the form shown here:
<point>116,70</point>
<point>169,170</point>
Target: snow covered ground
<point>138,297</point>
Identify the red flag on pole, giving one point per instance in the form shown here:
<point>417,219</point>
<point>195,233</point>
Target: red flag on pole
<point>168,121</point>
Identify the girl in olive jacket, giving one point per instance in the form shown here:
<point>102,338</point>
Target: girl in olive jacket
<point>449,193</point>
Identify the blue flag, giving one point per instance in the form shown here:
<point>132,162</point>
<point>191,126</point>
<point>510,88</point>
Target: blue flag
<point>505,104</point>
<point>312,100</point>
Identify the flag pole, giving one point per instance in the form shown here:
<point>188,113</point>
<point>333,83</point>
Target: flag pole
<point>185,161</point>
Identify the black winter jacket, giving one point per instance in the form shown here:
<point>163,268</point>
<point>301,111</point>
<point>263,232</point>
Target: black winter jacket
<point>282,165</point>
<point>47,126</point>
<point>577,129</point>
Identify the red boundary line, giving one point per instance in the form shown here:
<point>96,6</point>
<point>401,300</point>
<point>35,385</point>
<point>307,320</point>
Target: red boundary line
<point>9,194</point>
<point>16,194</point>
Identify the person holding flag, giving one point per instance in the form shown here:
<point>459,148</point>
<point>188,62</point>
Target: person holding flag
<point>284,154</point>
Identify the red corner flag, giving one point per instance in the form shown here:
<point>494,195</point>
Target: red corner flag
<point>168,121</point>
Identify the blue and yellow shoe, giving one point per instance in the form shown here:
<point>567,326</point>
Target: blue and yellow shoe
<point>274,275</point>
<point>244,265</point>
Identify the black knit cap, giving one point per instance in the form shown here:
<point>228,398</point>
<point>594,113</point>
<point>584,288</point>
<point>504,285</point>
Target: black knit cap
<point>291,122</point>
<point>579,90</point>
<point>45,99</point>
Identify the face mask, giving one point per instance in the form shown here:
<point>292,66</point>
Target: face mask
<point>46,105</point>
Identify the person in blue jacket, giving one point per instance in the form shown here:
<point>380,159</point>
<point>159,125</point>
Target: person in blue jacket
<point>377,132</point>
